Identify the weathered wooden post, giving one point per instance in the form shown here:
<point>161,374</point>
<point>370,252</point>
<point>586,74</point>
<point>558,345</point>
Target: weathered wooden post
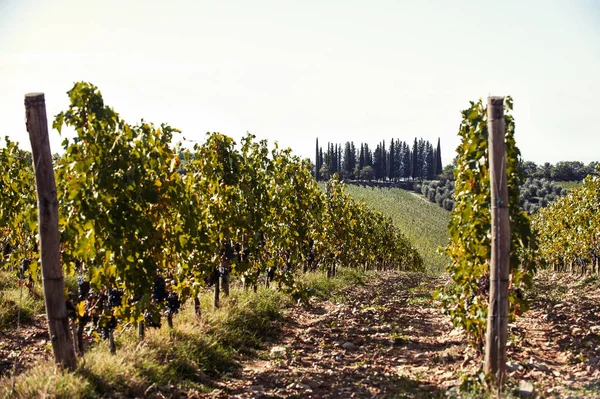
<point>217,289</point>
<point>56,309</point>
<point>497,322</point>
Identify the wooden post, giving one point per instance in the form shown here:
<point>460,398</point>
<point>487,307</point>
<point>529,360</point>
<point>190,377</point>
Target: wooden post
<point>111,341</point>
<point>52,277</point>
<point>497,322</point>
<point>224,273</point>
<point>197,308</point>
<point>141,330</point>
<point>217,291</point>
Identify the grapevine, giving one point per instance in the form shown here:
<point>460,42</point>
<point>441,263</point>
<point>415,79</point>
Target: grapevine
<point>466,300</point>
<point>147,225</point>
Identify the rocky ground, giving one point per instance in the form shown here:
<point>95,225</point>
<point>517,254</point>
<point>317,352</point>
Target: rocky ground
<point>390,340</point>
<point>22,348</point>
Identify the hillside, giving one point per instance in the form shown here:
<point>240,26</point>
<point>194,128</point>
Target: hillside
<point>424,223</point>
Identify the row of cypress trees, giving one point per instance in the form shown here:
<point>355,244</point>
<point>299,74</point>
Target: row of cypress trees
<point>399,161</point>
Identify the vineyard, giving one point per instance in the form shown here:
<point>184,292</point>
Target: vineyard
<point>423,223</point>
<point>146,226</point>
<point>568,230</point>
<point>274,285</point>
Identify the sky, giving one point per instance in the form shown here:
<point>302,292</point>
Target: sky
<point>292,71</point>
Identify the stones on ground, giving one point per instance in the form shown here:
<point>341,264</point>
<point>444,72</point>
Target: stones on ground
<point>299,386</point>
<point>510,366</point>
<point>257,388</point>
<point>576,331</point>
<point>386,328</point>
<point>278,351</point>
<point>525,388</point>
<point>540,366</point>
<point>314,384</point>
<point>349,346</point>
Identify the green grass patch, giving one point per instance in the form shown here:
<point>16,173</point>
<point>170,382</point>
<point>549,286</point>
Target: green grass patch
<point>321,287</point>
<point>424,223</point>
<point>46,381</point>
<point>568,185</point>
<point>184,359</point>
<point>246,319</point>
<point>13,297</point>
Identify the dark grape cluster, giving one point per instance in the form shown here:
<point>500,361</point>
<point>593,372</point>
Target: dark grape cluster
<point>150,320</point>
<point>484,285</point>
<point>7,249</point>
<point>159,292</point>
<point>24,267</point>
<point>227,250</point>
<point>271,272</point>
<point>71,312</point>
<point>213,278</point>
<point>83,288</point>
<point>242,254</point>
<point>519,294</point>
<point>260,239</point>
<point>173,303</point>
<point>115,298</point>
<point>107,327</point>
<point>312,255</point>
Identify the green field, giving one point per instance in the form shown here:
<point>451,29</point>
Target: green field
<point>423,222</point>
<point>568,185</point>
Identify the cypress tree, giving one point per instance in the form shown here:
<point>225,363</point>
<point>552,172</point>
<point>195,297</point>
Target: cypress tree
<point>361,157</point>
<point>339,159</point>
<point>317,165</point>
<point>429,161</point>
<point>331,164</point>
<point>398,159</point>
<point>352,156</point>
<point>407,161</point>
<point>439,168</point>
<point>368,156</point>
<point>383,161</point>
<point>390,165</point>
<point>379,162</point>
<point>320,161</point>
<point>415,160</point>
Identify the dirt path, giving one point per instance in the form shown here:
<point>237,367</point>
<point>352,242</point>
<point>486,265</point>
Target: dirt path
<point>20,350</point>
<point>390,340</point>
<point>379,344</point>
<point>556,344</point>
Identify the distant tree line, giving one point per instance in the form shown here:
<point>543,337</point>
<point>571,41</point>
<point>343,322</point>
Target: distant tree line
<point>398,161</point>
<point>561,171</point>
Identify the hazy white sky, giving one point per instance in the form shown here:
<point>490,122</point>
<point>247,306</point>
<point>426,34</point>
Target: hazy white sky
<point>294,70</point>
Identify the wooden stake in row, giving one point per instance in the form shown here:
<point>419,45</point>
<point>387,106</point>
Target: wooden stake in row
<point>56,309</point>
<point>497,322</point>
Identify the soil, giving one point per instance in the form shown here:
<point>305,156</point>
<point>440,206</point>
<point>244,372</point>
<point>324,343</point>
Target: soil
<point>21,349</point>
<point>389,339</point>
